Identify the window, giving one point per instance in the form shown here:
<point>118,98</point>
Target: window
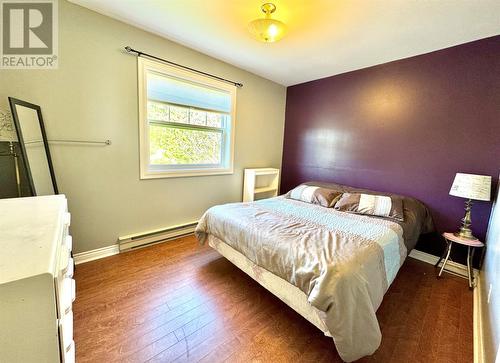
<point>186,122</point>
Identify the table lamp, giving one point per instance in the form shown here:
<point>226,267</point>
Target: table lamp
<point>470,187</point>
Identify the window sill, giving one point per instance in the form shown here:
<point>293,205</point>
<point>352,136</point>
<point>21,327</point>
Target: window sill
<point>183,173</point>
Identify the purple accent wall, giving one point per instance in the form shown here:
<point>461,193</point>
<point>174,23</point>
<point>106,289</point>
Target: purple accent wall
<point>405,127</point>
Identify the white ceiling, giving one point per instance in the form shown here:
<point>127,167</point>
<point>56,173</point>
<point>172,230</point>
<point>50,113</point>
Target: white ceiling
<point>326,37</point>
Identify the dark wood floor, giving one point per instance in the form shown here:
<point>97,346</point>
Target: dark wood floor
<point>181,302</point>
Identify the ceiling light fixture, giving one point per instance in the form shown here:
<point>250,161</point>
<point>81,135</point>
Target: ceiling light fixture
<point>267,30</point>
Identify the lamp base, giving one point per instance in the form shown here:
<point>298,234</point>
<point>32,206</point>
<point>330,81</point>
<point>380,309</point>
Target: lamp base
<point>465,234</point>
<point>465,231</point>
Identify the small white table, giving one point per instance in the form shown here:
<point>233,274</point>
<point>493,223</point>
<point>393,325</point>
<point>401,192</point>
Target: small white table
<point>471,246</point>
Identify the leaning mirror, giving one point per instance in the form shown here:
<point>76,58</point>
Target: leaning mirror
<point>30,131</point>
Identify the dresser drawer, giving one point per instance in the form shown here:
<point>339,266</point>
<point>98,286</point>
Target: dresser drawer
<point>64,260</point>
<point>70,270</point>
<point>69,355</point>
<point>66,222</point>
<point>65,284</point>
<point>67,264</point>
<point>67,219</point>
<point>66,332</point>
<point>68,242</point>
<point>67,294</point>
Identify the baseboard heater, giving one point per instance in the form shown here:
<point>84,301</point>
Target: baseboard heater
<point>156,236</point>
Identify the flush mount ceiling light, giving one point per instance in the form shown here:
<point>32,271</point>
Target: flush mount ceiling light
<point>267,30</point>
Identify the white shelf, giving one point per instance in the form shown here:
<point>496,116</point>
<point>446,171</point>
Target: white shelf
<point>260,183</point>
<point>264,190</point>
<point>265,171</point>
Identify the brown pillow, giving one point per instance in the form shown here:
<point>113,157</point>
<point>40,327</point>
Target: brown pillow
<point>315,195</point>
<point>375,205</point>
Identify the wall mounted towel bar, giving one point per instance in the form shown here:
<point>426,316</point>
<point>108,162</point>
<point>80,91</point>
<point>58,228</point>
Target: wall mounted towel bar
<point>105,142</point>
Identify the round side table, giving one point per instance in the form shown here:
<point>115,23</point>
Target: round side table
<point>471,246</point>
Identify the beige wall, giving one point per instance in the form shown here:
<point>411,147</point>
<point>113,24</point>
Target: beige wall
<point>490,275</point>
<point>93,96</point>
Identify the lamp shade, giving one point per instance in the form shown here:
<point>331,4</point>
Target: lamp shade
<point>267,30</point>
<point>471,186</point>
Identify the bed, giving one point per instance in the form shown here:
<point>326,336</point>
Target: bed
<point>332,267</point>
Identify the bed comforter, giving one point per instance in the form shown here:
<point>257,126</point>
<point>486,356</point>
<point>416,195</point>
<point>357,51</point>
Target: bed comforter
<point>343,262</point>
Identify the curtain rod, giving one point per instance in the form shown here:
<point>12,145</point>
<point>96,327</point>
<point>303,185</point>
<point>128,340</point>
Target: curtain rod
<point>139,53</point>
<point>105,142</point>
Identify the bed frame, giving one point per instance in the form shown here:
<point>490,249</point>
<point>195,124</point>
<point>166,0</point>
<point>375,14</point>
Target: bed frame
<point>282,289</point>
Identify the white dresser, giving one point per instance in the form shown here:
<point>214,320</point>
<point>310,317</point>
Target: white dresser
<point>36,281</point>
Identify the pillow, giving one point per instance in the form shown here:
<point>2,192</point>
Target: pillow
<point>375,205</point>
<point>315,195</point>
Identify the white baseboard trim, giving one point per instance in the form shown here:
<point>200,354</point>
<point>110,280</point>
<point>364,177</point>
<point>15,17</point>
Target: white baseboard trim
<point>453,267</point>
<point>478,322</point>
<point>96,254</point>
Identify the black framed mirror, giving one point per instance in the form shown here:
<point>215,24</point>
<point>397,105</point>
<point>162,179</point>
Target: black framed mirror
<point>30,130</point>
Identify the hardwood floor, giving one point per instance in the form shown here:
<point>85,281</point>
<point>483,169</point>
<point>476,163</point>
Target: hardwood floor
<point>182,302</point>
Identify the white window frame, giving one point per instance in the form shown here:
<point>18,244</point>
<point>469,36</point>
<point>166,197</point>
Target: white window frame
<point>144,66</point>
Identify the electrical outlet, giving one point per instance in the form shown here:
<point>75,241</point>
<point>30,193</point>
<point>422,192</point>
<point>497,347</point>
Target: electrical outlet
<point>489,293</point>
